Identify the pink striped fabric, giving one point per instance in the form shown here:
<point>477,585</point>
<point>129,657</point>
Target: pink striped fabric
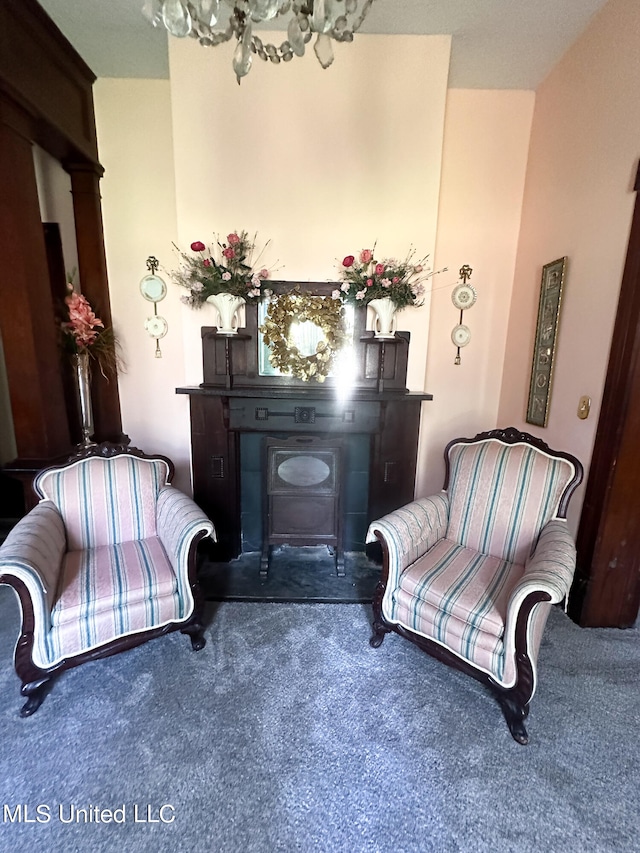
<point>502,495</point>
<point>459,598</point>
<point>105,501</point>
<point>488,651</point>
<point>110,578</point>
<point>462,583</point>
<point>71,638</point>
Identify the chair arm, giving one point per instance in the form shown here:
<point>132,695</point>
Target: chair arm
<point>549,571</point>
<point>552,564</point>
<point>178,521</point>
<point>410,531</point>
<point>33,551</point>
<point>30,560</point>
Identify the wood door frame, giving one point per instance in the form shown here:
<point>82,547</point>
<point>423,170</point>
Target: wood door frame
<point>46,98</point>
<point>606,589</point>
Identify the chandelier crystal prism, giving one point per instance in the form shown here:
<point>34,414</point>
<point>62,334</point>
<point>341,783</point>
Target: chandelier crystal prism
<point>204,20</point>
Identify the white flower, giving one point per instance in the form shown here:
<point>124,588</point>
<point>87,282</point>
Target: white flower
<point>226,276</point>
<point>197,286</point>
<point>385,282</point>
<point>361,294</point>
<point>335,294</point>
<point>185,300</point>
<point>345,287</point>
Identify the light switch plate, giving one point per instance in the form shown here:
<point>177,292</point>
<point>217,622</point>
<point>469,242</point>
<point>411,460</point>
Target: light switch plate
<point>584,407</point>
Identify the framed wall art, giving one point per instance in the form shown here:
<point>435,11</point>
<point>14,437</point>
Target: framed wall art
<point>545,342</point>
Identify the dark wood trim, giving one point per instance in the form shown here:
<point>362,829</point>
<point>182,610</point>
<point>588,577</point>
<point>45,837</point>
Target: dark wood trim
<point>45,98</point>
<point>42,73</point>
<point>92,273</point>
<point>27,316</point>
<point>606,590</point>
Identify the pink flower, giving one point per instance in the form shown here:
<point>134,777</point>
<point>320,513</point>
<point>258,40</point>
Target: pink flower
<point>348,261</point>
<point>233,239</point>
<point>379,269</point>
<point>197,246</point>
<point>360,294</point>
<point>82,320</point>
<point>418,268</point>
<point>229,253</point>
<point>264,273</point>
<point>395,279</point>
<point>366,256</point>
<point>369,282</point>
<point>207,262</point>
<point>226,276</point>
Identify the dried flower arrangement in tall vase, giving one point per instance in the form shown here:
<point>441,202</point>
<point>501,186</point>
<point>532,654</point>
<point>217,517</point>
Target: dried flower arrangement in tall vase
<point>88,342</point>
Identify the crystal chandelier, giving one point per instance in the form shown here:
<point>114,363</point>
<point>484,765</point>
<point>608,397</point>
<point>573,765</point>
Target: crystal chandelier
<point>327,19</point>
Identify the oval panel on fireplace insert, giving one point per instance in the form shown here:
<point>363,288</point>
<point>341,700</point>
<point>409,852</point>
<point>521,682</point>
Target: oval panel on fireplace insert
<point>303,471</point>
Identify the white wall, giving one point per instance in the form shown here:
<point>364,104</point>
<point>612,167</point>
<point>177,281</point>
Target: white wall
<point>483,169</point>
<point>322,162</point>
<point>56,203</point>
<point>133,119</point>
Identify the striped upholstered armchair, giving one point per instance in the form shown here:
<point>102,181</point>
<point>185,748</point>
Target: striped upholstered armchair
<point>104,562</point>
<point>469,574</point>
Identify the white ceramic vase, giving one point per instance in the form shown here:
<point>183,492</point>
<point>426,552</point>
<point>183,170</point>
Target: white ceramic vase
<point>384,310</point>
<point>226,304</point>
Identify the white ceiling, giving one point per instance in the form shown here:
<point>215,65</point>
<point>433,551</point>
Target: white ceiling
<point>497,44</point>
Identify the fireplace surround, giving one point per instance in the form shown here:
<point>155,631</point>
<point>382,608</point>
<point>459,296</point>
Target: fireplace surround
<point>238,417</point>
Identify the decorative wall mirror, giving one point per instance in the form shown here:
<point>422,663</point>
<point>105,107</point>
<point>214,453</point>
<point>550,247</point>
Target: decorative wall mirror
<point>302,334</point>
<point>261,353</point>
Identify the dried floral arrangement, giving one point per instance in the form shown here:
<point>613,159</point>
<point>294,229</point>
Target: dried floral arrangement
<point>228,269</point>
<point>366,278</point>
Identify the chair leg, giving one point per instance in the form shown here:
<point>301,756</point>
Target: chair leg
<point>195,631</point>
<point>35,691</point>
<point>380,631</point>
<point>515,714</point>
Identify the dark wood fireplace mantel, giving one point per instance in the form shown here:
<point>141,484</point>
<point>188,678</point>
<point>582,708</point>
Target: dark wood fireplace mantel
<point>387,421</point>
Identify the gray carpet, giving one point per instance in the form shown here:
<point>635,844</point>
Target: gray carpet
<point>289,733</point>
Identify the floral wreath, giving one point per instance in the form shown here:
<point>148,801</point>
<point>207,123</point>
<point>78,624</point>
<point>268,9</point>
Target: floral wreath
<point>325,312</point>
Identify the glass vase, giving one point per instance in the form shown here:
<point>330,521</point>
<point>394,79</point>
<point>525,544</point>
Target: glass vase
<point>82,375</point>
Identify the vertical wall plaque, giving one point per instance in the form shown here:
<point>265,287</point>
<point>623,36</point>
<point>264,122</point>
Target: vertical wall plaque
<point>545,342</point>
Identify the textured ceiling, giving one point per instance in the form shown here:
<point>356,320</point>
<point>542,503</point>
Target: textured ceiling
<point>496,44</point>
